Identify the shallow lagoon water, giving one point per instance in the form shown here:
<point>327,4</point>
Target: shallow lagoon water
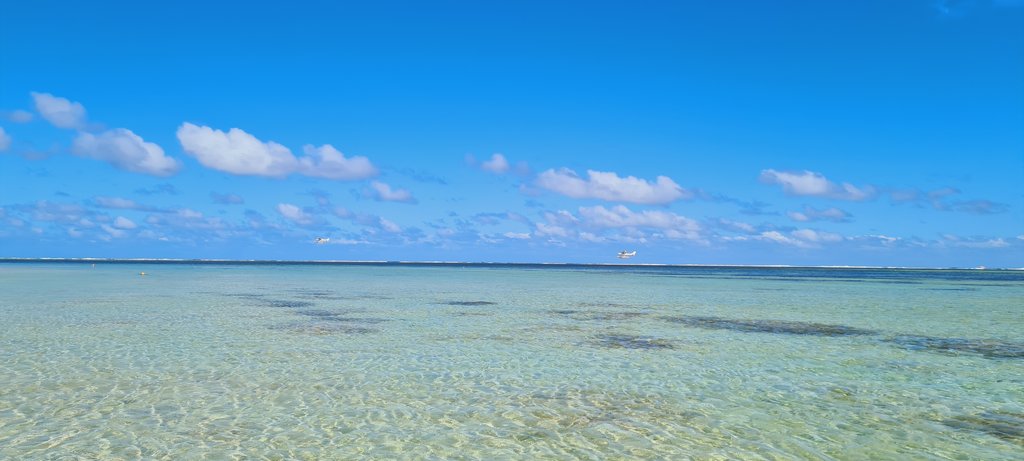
<point>508,362</point>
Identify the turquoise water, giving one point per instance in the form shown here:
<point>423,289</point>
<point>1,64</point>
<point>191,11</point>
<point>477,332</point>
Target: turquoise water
<point>508,362</point>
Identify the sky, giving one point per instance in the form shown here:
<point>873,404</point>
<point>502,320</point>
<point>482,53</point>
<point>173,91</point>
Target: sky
<point>802,133</point>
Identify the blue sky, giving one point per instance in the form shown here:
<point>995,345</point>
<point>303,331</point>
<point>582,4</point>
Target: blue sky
<point>823,133</point>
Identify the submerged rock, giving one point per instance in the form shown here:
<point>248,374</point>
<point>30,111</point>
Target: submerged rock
<point>563,311</point>
<point>985,347</point>
<point>769,326</point>
<point>322,328</point>
<point>1005,425</point>
<point>470,303</point>
<point>618,341</point>
<point>289,303</point>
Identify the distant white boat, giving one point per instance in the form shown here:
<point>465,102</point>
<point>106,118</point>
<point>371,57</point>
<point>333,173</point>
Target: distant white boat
<point>321,240</point>
<point>627,254</point>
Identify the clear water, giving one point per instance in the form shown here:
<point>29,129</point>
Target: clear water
<point>413,362</point>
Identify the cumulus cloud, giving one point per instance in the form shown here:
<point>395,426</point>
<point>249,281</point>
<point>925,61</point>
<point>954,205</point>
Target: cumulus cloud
<point>327,162</point>
<point>942,199</point>
<point>737,226</point>
<point>60,112</point>
<point>812,214</point>
<point>620,216</point>
<point>241,153</point>
<point>809,183</point>
<point>114,232</point>
<point>294,214</point>
<point>122,222</point>
<point>389,226</point>
<point>810,235</point>
<point>5,139</point>
<point>19,116</point>
<point>543,229</point>
<point>497,164</point>
<point>383,192</point>
<point>618,224</point>
<point>517,235</point>
<point>125,150</point>
<point>119,203</point>
<point>609,186</point>
<point>981,243</point>
<point>236,151</point>
<point>801,238</point>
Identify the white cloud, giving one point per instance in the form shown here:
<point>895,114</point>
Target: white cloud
<point>975,242</point>
<point>236,151</point>
<point>802,238</point>
<point>44,210</point>
<point>497,164</point>
<point>61,112</point>
<point>383,192</point>
<point>809,183</point>
<point>389,226</point>
<point>809,235</point>
<point>118,203</point>
<point>125,150</point>
<point>813,214</point>
<point>116,233</point>
<point>20,116</point>
<point>241,153</point>
<point>327,162</point>
<point>517,235</point>
<point>672,225</point>
<point>609,186</point>
<point>294,213</point>
<point>620,216</point>
<point>561,218</point>
<point>776,236</point>
<point>122,222</point>
<point>552,230</point>
<point>188,213</point>
<point>5,139</point>
<point>737,226</point>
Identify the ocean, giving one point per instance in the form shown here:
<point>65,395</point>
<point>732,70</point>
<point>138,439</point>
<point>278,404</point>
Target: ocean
<point>461,361</point>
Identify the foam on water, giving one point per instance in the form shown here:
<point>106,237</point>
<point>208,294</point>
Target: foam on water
<point>395,362</point>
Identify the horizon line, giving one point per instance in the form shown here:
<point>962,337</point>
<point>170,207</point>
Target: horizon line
<point>477,263</point>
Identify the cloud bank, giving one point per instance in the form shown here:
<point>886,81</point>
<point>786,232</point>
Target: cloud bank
<point>241,153</point>
<point>383,192</point>
<point>60,112</point>
<point>125,150</point>
<point>5,140</point>
<point>809,183</point>
<point>610,187</point>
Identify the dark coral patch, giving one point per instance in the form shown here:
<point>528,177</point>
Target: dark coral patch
<point>1005,425</point>
<point>611,316</point>
<point>993,349</point>
<point>769,326</point>
<point>288,303</point>
<point>322,328</point>
<point>618,341</point>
